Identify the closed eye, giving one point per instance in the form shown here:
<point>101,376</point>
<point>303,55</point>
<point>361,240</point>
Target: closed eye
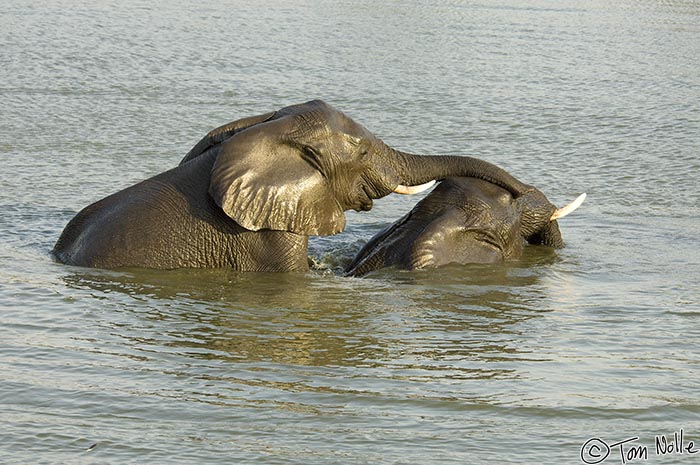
<point>489,239</point>
<point>311,157</point>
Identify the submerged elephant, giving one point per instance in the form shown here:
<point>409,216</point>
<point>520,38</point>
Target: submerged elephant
<point>464,220</point>
<point>249,194</point>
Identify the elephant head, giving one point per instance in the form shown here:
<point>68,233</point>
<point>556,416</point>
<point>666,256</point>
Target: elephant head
<point>298,169</point>
<point>464,220</point>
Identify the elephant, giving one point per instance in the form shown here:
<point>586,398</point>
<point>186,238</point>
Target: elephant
<point>464,220</point>
<point>249,193</point>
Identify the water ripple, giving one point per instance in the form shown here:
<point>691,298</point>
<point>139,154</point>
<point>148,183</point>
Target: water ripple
<point>515,363</point>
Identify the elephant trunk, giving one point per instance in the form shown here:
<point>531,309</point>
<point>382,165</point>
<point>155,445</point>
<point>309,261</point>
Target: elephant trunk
<point>419,169</point>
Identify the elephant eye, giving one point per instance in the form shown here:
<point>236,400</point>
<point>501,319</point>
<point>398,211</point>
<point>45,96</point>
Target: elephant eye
<point>490,240</point>
<point>363,150</point>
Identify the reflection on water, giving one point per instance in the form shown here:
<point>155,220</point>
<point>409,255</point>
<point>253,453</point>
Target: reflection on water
<point>317,319</point>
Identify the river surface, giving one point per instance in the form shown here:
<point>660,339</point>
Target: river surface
<point>517,363</point>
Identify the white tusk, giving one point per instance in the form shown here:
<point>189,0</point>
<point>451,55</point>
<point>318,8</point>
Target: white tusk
<point>563,211</point>
<point>408,190</point>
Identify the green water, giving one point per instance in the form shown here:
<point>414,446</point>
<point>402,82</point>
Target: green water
<point>516,363</point>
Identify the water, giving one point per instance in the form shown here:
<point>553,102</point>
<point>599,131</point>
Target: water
<point>515,363</point>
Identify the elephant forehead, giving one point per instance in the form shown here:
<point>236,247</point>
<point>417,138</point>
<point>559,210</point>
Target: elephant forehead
<point>320,117</point>
<point>483,208</point>
<point>468,188</point>
<point>484,215</point>
<point>312,106</point>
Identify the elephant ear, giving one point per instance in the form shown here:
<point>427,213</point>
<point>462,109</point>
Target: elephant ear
<point>262,180</point>
<point>220,134</point>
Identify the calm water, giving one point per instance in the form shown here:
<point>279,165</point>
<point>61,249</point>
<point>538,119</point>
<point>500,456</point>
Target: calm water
<point>516,363</point>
